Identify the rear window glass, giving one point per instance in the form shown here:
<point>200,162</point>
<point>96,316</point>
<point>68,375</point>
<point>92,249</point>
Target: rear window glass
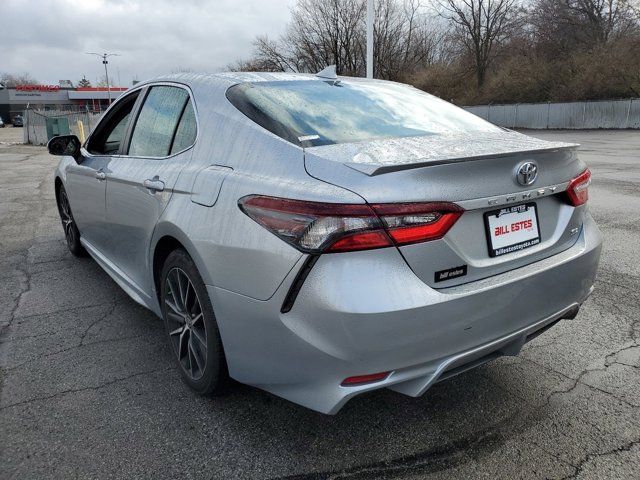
<point>311,113</point>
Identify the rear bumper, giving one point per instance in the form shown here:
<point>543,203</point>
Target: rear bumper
<point>366,312</point>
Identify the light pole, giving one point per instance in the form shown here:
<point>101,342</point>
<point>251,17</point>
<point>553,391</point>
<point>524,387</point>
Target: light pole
<point>104,57</point>
<point>370,14</point>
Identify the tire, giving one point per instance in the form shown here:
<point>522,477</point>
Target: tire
<point>191,325</point>
<point>71,232</point>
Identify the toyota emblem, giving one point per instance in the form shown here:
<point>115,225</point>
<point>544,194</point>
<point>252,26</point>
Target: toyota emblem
<point>527,173</point>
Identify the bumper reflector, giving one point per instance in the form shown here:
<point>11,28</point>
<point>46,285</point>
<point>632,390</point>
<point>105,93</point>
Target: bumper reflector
<point>361,379</point>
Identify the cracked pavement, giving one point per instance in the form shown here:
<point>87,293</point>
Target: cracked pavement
<point>88,388</point>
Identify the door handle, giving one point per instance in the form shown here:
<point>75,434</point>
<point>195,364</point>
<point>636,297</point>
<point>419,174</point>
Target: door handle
<point>101,175</point>
<point>154,184</point>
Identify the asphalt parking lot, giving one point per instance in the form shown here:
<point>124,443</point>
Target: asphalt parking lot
<point>88,388</point>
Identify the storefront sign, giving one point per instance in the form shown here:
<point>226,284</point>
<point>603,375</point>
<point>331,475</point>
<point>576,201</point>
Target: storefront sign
<point>20,94</point>
<point>38,88</point>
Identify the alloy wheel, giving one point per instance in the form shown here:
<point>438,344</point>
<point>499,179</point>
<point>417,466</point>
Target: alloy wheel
<point>187,330</point>
<point>67,218</point>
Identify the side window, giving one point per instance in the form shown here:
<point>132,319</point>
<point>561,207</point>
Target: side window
<point>157,122</point>
<point>110,132</point>
<point>187,129</point>
<point>117,134</point>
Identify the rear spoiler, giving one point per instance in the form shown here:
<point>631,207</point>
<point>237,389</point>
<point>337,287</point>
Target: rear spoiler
<point>373,169</point>
<point>386,155</point>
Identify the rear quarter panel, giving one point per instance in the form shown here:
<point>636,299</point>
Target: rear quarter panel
<point>234,252</point>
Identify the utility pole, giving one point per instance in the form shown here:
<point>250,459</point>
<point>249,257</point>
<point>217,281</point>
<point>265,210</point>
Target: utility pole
<point>370,14</point>
<point>104,57</point>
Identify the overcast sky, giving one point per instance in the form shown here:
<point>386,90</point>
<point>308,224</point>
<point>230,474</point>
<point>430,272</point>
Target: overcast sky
<point>48,38</point>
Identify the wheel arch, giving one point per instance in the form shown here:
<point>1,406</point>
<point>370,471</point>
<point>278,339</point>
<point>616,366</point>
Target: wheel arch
<point>167,238</point>
<point>57,184</point>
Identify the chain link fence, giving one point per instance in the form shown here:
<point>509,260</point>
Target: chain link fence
<point>35,130</point>
<point>569,115</point>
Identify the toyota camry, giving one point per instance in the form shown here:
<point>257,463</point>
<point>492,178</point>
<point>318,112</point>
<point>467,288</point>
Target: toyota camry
<point>320,236</point>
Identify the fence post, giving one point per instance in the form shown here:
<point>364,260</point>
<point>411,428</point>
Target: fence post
<point>25,127</point>
<point>548,111</point>
<point>81,131</point>
<point>626,123</point>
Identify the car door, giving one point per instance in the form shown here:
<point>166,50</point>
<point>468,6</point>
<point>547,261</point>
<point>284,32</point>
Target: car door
<point>85,180</point>
<point>140,182</point>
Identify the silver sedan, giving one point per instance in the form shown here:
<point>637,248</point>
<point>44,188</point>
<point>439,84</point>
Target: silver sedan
<point>319,237</point>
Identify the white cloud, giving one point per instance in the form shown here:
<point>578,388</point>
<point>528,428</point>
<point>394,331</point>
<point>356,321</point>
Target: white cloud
<point>49,38</point>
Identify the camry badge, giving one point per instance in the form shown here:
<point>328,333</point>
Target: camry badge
<point>527,173</point>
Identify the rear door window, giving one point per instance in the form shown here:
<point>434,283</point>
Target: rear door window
<point>157,124</point>
<point>186,131</point>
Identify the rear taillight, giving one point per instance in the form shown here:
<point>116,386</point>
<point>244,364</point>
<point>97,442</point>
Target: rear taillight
<point>578,189</point>
<point>417,222</point>
<point>315,227</point>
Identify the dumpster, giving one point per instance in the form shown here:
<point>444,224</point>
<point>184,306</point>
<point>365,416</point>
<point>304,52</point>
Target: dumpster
<point>57,126</point>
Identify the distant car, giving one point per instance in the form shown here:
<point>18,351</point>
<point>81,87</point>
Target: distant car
<point>1,123</point>
<point>319,237</point>
<point>17,121</point>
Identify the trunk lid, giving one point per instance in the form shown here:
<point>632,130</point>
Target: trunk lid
<point>477,172</point>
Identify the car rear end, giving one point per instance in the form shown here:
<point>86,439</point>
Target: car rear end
<point>466,244</point>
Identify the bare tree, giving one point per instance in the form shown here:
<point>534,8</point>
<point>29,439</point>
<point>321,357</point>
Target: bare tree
<point>481,26</point>
<point>11,80</point>
<point>469,51</point>
<point>571,24</point>
<point>404,39</point>
<point>326,32</point>
<point>102,82</point>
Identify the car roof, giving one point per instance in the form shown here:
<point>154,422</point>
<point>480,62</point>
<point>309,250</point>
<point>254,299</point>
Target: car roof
<point>210,88</point>
<point>232,78</point>
<point>226,78</point>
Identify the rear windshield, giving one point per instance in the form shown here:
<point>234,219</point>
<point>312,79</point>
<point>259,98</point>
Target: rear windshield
<point>312,113</point>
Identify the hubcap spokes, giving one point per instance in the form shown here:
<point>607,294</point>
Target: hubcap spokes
<point>186,323</point>
<point>67,218</point>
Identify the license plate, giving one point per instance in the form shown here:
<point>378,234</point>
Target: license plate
<point>511,229</point>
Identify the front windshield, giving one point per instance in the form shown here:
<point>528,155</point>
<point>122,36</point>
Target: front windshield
<point>312,113</point>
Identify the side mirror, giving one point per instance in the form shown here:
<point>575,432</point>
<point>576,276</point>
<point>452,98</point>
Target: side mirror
<point>65,145</point>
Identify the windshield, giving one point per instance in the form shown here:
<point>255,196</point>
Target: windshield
<point>312,113</point>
